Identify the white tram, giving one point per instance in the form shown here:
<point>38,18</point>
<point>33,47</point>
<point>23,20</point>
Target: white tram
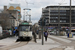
<point>25,31</point>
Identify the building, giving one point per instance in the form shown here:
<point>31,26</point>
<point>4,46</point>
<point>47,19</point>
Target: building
<point>12,16</point>
<point>15,10</point>
<point>1,10</point>
<point>58,15</point>
<point>16,7</point>
<point>7,20</point>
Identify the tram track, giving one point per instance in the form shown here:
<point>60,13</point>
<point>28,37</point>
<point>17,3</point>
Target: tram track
<point>16,45</point>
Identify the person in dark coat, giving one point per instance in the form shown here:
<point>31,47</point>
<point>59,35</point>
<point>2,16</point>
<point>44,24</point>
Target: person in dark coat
<point>17,32</point>
<point>14,32</point>
<point>45,35</point>
<point>34,35</point>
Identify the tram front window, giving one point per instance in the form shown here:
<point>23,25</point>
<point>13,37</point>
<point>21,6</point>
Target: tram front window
<point>24,28</point>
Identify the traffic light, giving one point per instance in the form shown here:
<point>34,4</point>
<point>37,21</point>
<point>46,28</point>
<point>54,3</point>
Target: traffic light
<point>40,23</point>
<point>43,23</point>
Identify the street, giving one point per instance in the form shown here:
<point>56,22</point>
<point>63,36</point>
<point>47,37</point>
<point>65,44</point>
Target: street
<point>53,42</point>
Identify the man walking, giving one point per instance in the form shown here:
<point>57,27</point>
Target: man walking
<point>34,35</point>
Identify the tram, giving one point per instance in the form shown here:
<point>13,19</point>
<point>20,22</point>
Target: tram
<point>25,30</point>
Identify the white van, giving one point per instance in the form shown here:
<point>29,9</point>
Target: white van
<point>0,31</point>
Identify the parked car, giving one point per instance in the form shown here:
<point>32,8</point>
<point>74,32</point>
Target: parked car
<point>0,32</point>
<point>6,33</point>
<point>52,33</point>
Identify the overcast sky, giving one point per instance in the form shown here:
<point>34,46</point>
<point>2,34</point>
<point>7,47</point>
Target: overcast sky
<point>36,7</point>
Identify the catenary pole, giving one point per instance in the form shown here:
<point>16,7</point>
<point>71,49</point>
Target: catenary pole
<point>70,16</point>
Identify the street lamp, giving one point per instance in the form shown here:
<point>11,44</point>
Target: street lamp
<point>59,16</point>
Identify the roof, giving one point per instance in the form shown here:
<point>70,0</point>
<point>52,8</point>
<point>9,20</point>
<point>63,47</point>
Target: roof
<point>7,15</point>
<point>12,11</point>
<point>14,5</point>
<point>51,6</point>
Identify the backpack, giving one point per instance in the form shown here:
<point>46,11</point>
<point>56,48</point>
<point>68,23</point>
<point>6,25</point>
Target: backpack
<point>45,33</point>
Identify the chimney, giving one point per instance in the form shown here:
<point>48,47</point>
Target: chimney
<point>5,8</point>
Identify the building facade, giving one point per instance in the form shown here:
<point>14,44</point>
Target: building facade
<point>15,10</point>
<point>54,15</point>
<point>12,16</point>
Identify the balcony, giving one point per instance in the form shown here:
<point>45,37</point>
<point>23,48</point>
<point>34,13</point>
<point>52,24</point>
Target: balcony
<point>63,18</point>
<point>53,17</point>
<point>45,11</point>
<point>47,17</point>
<point>45,14</point>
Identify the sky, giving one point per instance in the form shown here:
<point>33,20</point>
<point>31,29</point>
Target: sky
<point>35,6</point>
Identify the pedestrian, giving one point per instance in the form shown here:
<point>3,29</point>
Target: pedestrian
<point>45,35</point>
<point>17,32</point>
<point>34,36</point>
<point>37,32</point>
<point>14,32</point>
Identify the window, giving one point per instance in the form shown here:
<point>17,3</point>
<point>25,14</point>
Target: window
<point>63,21</point>
<point>24,28</point>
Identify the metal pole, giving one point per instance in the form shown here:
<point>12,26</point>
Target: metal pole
<point>42,33</point>
<point>70,16</point>
<point>29,18</point>
<point>42,29</point>
<point>24,16</point>
<point>59,19</point>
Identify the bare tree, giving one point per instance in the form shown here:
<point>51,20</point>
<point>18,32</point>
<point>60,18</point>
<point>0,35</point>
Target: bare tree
<point>5,21</point>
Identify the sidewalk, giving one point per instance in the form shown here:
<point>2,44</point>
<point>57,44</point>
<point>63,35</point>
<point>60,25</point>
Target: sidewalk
<point>49,44</point>
<point>7,41</point>
<point>68,38</point>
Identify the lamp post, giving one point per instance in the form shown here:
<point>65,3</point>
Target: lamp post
<point>70,16</point>
<point>59,17</point>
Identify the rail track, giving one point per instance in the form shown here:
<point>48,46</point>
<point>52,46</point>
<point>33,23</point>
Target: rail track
<point>15,45</point>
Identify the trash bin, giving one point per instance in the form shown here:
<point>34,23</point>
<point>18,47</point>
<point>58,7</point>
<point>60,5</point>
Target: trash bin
<point>70,35</point>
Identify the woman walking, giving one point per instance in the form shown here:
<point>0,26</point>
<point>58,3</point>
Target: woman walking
<point>45,35</point>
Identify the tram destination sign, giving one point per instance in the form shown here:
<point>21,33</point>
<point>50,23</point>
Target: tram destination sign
<point>25,23</point>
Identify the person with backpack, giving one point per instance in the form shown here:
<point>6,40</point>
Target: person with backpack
<point>45,35</point>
